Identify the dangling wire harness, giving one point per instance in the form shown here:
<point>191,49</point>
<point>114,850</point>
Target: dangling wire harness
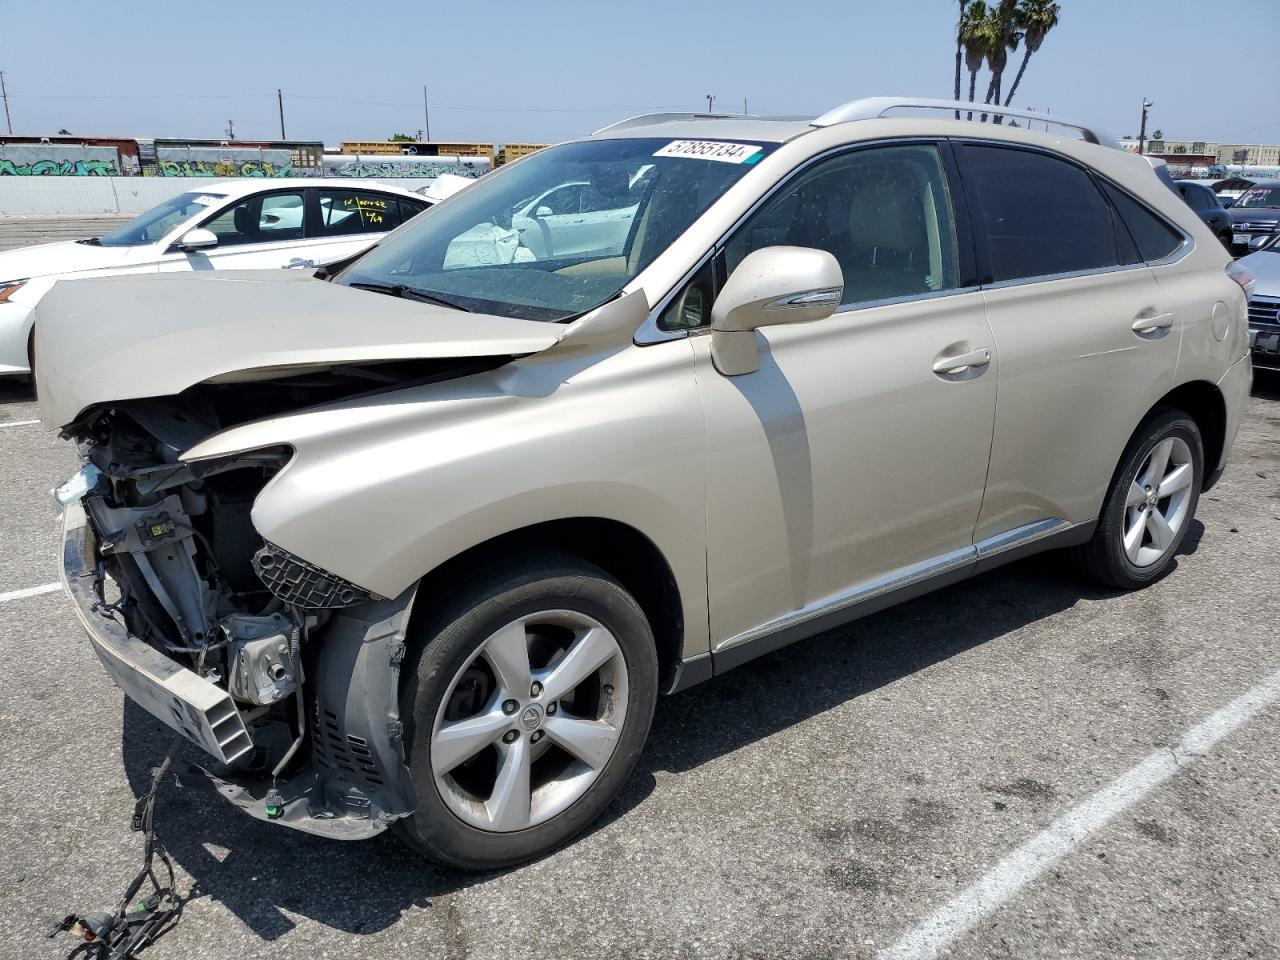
<point>136,924</point>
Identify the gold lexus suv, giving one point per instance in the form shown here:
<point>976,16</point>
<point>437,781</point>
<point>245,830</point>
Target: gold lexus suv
<point>416,541</point>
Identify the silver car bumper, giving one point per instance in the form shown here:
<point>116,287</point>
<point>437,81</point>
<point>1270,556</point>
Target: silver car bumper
<point>174,695</point>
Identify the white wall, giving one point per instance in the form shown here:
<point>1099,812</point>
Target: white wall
<point>85,196</point>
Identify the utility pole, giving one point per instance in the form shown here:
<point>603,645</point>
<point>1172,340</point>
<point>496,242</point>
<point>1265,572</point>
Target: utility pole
<point>280,104</point>
<point>711,98</point>
<point>744,106</point>
<point>231,129</point>
<point>5,93</point>
<point>426,112</point>
<point>1142,130</point>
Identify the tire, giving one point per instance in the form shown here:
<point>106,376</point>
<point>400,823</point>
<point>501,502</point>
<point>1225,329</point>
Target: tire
<point>468,813</point>
<point>1129,563</point>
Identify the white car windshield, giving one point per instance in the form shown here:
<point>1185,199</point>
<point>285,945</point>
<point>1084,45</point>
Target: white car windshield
<point>559,233</point>
<point>156,222</point>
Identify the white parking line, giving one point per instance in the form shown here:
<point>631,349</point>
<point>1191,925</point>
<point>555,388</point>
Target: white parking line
<point>17,423</point>
<point>29,592</point>
<point>928,938</point>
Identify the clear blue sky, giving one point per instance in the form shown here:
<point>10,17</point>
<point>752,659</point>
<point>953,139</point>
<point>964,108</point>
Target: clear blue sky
<point>504,71</point>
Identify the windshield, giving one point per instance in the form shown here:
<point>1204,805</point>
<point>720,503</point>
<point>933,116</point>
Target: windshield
<point>560,233</point>
<point>1259,197</point>
<point>156,222</point>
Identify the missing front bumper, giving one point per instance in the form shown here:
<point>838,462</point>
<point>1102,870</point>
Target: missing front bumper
<point>353,781</point>
<point>174,695</point>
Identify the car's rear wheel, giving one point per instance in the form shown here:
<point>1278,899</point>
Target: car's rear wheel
<point>526,711</point>
<point>1150,505</point>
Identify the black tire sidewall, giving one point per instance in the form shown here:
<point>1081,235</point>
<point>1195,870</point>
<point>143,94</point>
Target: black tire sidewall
<point>434,829</point>
<point>1123,572</point>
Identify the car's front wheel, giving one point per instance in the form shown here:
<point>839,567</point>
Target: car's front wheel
<point>526,710</point>
<point>1150,505</point>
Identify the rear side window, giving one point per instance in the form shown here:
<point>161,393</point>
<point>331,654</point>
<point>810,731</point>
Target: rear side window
<point>1155,239</point>
<point>356,211</point>
<point>1043,216</point>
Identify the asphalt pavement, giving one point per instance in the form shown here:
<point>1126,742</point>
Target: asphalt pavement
<point>1023,765</point>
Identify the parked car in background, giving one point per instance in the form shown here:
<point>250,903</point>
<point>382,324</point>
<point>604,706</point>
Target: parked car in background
<point>1255,216</point>
<point>419,542</point>
<point>231,224</point>
<point>1264,305</point>
<point>1201,198</point>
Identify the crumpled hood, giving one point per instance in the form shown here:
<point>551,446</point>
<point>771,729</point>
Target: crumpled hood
<point>65,256</point>
<point>128,337</point>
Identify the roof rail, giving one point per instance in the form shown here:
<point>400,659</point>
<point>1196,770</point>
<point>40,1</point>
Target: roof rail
<point>647,119</point>
<point>872,108</point>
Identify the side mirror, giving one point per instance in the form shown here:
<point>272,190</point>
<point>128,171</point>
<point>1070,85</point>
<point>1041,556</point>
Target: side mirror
<point>543,211</point>
<point>198,239</point>
<point>770,286</point>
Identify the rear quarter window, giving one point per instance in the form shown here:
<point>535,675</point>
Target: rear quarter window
<point>1154,238</point>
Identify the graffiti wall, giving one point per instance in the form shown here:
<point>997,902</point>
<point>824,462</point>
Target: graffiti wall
<point>222,162</point>
<point>347,165</point>
<point>59,160</point>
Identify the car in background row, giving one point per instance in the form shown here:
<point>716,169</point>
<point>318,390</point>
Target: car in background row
<point>1264,305</point>
<point>250,224</point>
<point>1208,207</point>
<point>1255,216</point>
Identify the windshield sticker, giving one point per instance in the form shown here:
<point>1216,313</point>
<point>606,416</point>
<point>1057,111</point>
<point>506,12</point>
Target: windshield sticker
<point>205,201</point>
<point>712,150</point>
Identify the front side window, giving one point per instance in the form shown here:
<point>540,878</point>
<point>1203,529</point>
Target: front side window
<point>1043,216</point>
<point>883,213</point>
<point>345,212</point>
<point>159,220</point>
<point>500,247</point>
<point>260,219</point>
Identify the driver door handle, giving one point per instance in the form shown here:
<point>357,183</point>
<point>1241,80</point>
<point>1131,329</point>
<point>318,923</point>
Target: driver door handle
<point>962,362</point>
<point>1149,322</point>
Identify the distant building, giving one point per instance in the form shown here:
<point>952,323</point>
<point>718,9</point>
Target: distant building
<point>415,148</point>
<point>514,151</point>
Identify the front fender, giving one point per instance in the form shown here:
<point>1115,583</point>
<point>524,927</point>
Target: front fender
<point>382,491</point>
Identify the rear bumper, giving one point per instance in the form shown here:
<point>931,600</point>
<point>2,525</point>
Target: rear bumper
<point>1235,385</point>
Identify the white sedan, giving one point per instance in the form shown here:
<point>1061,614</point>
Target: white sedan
<point>234,224</point>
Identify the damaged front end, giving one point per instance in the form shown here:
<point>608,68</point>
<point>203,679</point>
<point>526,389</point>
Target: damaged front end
<point>283,674</point>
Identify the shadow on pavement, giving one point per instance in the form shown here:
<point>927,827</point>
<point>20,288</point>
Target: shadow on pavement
<point>258,871</point>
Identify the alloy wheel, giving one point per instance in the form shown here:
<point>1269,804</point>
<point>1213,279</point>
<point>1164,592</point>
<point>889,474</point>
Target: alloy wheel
<point>1158,501</point>
<point>529,722</point>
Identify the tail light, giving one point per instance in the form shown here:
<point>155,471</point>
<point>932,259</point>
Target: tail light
<point>1241,275</point>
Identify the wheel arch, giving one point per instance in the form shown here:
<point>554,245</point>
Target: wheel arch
<point>621,550</point>
<point>1204,403</point>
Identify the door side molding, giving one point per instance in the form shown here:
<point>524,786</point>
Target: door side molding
<point>896,586</point>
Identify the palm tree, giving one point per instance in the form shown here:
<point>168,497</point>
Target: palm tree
<point>959,49</point>
<point>1036,18</point>
<point>972,35</point>
<point>1003,36</point>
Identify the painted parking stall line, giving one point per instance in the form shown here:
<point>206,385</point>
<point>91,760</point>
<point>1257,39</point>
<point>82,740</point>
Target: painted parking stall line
<point>936,932</point>
<point>29,592</point>
<point>17,423</point>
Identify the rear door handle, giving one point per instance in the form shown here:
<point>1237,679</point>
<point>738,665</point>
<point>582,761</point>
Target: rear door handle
<point>963,362</point>
<point>1151,322</point>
